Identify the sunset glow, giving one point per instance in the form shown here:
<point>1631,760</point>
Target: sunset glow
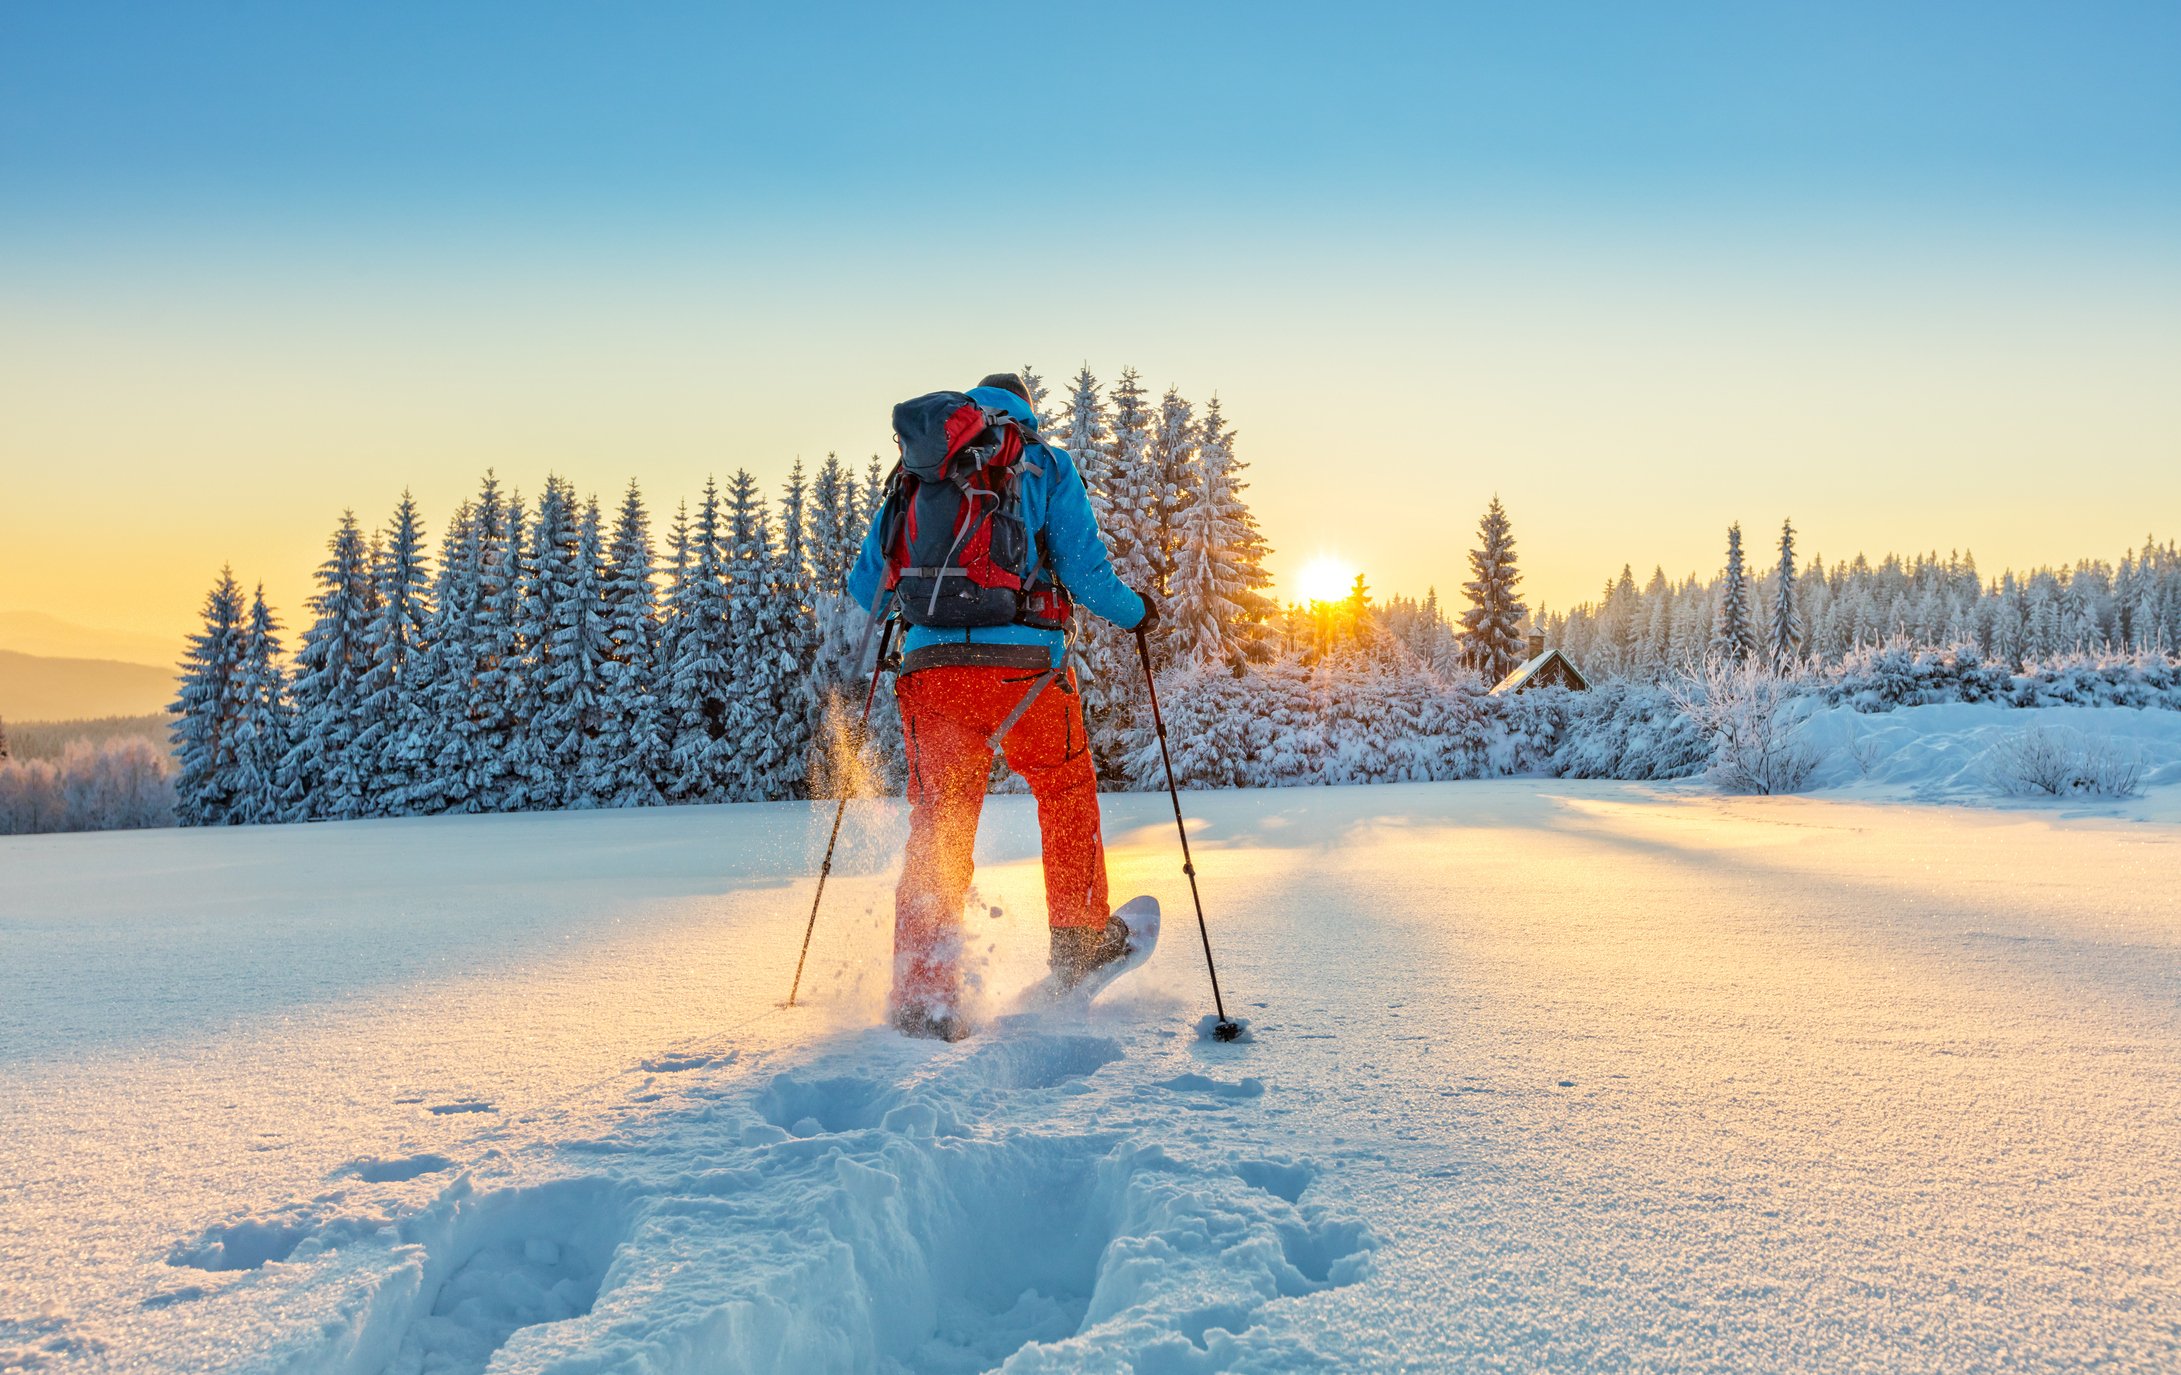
<point>1326,578</point>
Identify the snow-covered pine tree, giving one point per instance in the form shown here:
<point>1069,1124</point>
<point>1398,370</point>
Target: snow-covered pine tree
<point>631,745</point>
<point>264,727</point>
<point>1492,626</point>
<point>1174,484</point>
<point>1218,607</point>
<point>794,587</point>
<point>458,762</point>
<point>836,537</point>
<point>207,708</point>
<point>703,759</point>
<point>1658,622</point>
<point>765,719</point>
<point>670,629</point>
<point>322,776</point>
<point>562,632</point>
<point>504,686</point>
<point>1128,520</point>
<point>1787,628</point>
<point>1131,519</point>
<point>1087,437</point>
<point>588,647</point>
<point>1735,634</point>
<point>1039,397</point>
<point>393,641</point>
<point>874,490</point>
<point>423,732</point>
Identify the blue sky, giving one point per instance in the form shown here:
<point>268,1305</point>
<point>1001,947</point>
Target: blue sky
<point>430,109</point>
<point>326,251</point>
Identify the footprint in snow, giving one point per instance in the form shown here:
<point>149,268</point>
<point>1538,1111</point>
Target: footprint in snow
<point>678,1062</point>
<point>465,1105</point>
<point>1218,1088</point>
<point>393,1170</point>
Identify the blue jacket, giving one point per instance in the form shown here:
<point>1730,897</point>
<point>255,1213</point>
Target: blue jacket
<point>1054,502</point>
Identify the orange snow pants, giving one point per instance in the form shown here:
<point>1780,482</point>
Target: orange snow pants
<point>948,714</point>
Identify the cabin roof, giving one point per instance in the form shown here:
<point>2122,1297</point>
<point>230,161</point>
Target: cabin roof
<point>1530,668</point>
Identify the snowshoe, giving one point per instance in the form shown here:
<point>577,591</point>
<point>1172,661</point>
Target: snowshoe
<point>925,1023</point>
<point>1084,960</point>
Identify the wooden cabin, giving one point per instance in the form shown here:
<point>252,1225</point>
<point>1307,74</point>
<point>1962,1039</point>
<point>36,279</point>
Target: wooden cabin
<point>1544,668</point>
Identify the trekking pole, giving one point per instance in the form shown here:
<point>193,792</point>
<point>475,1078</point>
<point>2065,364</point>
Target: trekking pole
<point>1223,1029</point>
<point>870,694</point>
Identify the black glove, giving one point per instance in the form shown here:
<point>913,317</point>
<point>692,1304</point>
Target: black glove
<point>1151,615</point>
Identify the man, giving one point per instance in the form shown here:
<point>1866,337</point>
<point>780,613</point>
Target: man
<point>979,504</point>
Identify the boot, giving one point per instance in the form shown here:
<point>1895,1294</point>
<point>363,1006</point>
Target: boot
<point>1078,950</point>
<point>929,1023</point>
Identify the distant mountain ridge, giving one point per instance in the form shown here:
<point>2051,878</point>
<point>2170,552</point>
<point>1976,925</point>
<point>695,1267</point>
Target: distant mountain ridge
<point>51,637</point>
<point>40,688</point>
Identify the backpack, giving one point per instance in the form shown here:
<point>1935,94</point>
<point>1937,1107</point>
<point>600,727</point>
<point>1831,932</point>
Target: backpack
<point>958,553</point>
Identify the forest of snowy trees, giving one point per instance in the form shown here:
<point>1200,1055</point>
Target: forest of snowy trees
<point>553,655</point>
<point>1823,615</point>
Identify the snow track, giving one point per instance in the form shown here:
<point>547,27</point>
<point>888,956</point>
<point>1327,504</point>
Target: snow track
<point>1547,1076</point>
<point>958,1210</point>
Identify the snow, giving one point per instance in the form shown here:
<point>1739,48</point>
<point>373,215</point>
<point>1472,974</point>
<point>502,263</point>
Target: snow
<point>1542,1075</point>
<point>1942,752</point>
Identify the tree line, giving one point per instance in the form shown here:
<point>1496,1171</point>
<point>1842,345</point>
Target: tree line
<point>550,655</point>
<point>1789,615</point>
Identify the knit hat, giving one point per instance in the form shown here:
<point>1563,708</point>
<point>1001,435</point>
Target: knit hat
<point>1007,381</point>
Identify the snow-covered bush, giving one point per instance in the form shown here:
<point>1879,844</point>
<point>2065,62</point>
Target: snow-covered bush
<point>2050,761</point>
<point>2103,680</point>
<point>1285,724</point>
<point>1626,729</point>
<point>1754,718</point>
<point>1899,674</point>
<point>110,785</point>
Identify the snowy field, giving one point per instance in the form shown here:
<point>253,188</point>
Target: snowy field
<point>1547,1076</point>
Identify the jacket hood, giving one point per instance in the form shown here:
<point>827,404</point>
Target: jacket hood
<point>1000,399</point>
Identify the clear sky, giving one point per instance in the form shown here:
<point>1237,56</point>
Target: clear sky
<point>1908,273</point>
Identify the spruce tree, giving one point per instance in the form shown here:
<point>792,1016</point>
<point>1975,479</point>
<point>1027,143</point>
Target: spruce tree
<point>322,776</point>
<point>631,746</point>
<point>703,762</point>
<point>1174,485</point>
<point>1087,437</point>
<point>265,726</point>
<point>1492,626</point>
<point>588,648</point>
<point>1039,396</point>
<point>794,587</point>
<point>765,724</point>
<point>1735,634</point>
<point>835,539</point>
<point>1787,627</point>
<point>556,705</point>
<point>423,732</point>
<point>455,770</point>
<point>1130,520</point>
<point>394,642</point>
<point>1218,608</point>
<point>670,630</point>
<point>1127,517</point>
<point>504,688</point>
<point>207,708</point>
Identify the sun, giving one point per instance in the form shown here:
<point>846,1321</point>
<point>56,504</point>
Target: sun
<point>1326,578</point>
